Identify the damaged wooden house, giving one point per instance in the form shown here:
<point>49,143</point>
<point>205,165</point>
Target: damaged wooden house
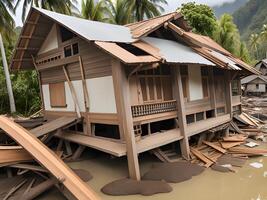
<point>256,84</point>
<point>131,88</point>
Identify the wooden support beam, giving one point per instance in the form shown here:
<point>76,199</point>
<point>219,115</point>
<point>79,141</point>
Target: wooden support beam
<point>85,89</point>
<point>32,37</point>
<point>122,95</point>
<point>39,82</point>
<point>174,28</point>
<point>73,93</point>
<point>48,159</point>
<point>228,93</point>
<point>26,46</point>
<point>26,49</point>
<point>212,90</point>
<point>178,95</point>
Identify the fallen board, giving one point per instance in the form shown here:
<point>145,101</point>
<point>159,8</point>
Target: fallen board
<point>53,126</point>
<point>214,146</point>
<point>48,159</point>
<point>14,155</point>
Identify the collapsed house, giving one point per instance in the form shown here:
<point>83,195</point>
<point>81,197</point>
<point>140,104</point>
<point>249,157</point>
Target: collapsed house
<point>256,84</point>
<point>130,88</point>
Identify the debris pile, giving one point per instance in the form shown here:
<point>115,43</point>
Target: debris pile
<point>32,168</point>
<point>223,153</point>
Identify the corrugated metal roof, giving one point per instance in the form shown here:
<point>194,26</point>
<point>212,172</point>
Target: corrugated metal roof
<point>91,30</point>
<point>252,77</point>
<point>174,52</point>
<point>222,57</point>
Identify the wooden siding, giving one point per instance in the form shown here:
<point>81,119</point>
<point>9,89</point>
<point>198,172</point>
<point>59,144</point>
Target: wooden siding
<point>96,63</point>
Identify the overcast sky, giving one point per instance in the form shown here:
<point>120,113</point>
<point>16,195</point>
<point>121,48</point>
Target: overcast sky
<point>172,5</point>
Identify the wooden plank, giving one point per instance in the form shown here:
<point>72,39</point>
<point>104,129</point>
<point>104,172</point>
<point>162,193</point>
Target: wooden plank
<point>124,55</point>
<point>235,138</point>
<point>53,126</point>
<point>202,157</point>
<point>105,145</point>
<point>85,89</point>
<point>14,155</point>
<point>73,93</point>
<point>227,145</point>
<point>48,159</point>
<point>214,146</point>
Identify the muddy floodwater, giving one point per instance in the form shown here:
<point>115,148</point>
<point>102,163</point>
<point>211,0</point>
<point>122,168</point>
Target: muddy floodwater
<point>248,183</point>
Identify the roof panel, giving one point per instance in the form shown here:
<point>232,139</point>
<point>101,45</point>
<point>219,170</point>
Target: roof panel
<point>174,52</point>
<point>91,30</point>
<point>225,59</point>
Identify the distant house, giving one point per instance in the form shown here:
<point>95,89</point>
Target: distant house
<point>133,88</point>
<point>256,84</point>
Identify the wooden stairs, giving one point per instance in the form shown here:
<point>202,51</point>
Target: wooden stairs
<point>169,155</point>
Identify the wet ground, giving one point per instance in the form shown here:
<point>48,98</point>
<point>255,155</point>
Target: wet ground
<point>247,184</point>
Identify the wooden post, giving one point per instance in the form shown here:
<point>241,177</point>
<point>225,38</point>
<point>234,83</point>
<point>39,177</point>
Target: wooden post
<point>178,94</point>
<point>122,95</point>
<point>228,93</point>
<point>73,93</point>
<point>212,90</point>
<point>86,122</point>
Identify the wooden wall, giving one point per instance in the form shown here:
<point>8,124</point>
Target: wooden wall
<point>96,63</point>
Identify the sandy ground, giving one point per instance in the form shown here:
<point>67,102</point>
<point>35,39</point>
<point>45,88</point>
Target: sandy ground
<point>247,184</point>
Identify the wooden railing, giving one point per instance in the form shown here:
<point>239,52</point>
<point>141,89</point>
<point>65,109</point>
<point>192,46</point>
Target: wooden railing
<point>153,108</point>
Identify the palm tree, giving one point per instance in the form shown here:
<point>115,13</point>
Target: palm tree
<point>263,34</point>
<point>6,20</point>
<point>61,6</point>
<point>120,11</point>
<point>227,34</point>
<point>96,11</point>
<point>254,43</point>
<point>147,8</point>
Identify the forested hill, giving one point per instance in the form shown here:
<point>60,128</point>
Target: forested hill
<point>250,17</point>
<point>228,7</point>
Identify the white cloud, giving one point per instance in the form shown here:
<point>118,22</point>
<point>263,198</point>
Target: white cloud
<point>172,6</point>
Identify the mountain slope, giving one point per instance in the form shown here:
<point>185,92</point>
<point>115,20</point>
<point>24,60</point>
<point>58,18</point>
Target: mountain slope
<point>250,17</point>
<point>228,7</point>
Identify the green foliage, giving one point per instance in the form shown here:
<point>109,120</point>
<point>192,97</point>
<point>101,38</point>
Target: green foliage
<point>227,35</point>
<point>200,17</point>
<point>94,11</point>
<point>120,11</point>
<point>60,6</point>
<point>143,9</point>
<point>24,83</point>
<point>6,21</point>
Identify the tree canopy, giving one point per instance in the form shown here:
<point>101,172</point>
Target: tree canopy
<point>200,17</point>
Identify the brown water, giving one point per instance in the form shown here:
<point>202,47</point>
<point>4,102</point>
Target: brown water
<point>247,184</point>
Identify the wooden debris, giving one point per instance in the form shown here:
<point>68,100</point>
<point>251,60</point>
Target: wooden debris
<point>235,138</point>
<point>227,145</point>
<point>248,151</point>
<point>202,157</point>
<point>214,146</point>
<point>48,159</point>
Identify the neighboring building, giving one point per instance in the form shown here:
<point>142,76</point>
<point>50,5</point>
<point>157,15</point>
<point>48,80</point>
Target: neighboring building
<point>256,84</point>
<point>136,87</point>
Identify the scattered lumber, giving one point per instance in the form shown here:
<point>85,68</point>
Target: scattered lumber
<point>48,159</point>
<point>208,162</point>
<point>214,146</point>
<point>14,155</point>
<point>235,138</point>
<point>247,151</point>
<point>228,145</point>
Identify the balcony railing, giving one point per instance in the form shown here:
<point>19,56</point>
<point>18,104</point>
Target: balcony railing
<point>153,108</point>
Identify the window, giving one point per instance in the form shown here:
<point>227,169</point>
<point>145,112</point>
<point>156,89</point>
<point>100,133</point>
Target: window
<point>65,34</point>
<point>257,86</point>
<point>71,50</point>
<point>57,94</point>
<point>184,78</point>
<point>205,82</point>
<point>156,84</point>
